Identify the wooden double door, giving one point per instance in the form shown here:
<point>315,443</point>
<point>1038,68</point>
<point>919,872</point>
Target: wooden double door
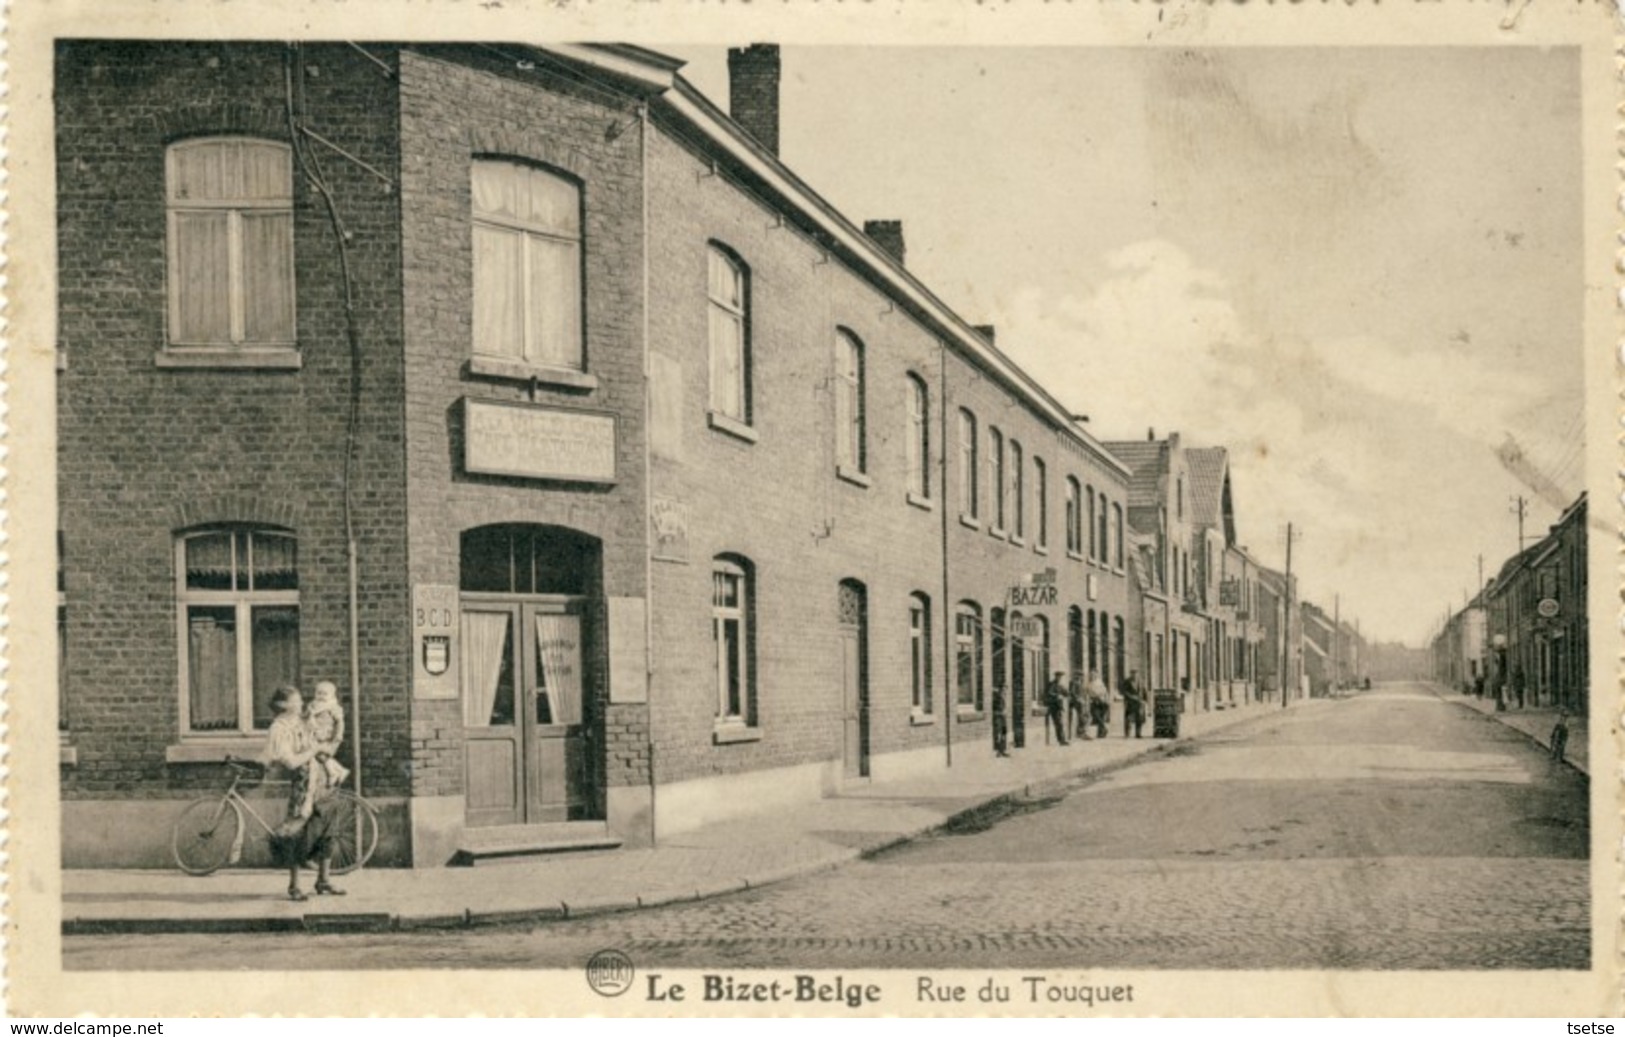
<point>525,709</point>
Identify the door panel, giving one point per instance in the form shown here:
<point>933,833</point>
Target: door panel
<point>851,702</point>
<point>492,735</point>
<point>556,720</point>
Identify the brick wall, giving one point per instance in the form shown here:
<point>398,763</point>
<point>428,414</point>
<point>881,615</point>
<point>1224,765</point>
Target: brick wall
<point>145,451</point>
<point>456,103</point>
<point>780,503</point>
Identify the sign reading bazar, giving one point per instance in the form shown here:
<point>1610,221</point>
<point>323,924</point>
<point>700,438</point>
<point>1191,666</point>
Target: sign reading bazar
<point>538,442</point>
<point>1037,589</point>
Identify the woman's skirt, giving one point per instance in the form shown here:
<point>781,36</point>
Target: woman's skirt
<point>299,840</point>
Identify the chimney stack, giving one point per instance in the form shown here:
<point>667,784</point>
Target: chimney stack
<point>1150,435</point>
<point>753,91</point>
<point>888,234</point>
<point>989,332</point>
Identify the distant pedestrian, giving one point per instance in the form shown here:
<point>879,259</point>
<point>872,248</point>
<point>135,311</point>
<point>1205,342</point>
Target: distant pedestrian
<point>1560,735</point>
<point>1077,723</point>
<point>1055,706</point>
<point>1133,706</point>
<point>1478,684</point>
<point>1518,684</point>
<point>1100,704</point>
<point>1001,725</point>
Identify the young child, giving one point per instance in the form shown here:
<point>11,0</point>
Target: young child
<point>325,718</point>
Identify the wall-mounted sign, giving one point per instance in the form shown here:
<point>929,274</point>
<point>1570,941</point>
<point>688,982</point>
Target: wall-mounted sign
<point>1036,589</point>
<point>1026,628</point>
<point>1548,608</point>
<point>538,442</point>
<point>668,519</point>
<point>434,641</point>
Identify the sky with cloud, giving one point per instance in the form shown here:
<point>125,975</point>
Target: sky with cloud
<point>1359,270</point>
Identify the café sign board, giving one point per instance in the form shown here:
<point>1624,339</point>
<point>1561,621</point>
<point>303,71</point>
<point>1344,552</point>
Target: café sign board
<point>538,442</point>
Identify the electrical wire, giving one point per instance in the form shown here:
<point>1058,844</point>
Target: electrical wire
<point>293,70</point>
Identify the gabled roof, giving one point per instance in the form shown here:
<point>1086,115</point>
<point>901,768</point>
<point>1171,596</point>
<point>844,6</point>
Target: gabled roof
<point>1148,460</point>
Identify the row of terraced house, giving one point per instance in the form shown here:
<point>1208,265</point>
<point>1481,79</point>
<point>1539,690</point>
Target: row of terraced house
<point>1527,626</point>
<point>619,481</point>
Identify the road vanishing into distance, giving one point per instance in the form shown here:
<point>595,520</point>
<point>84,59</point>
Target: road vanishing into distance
<point>1388,830</point>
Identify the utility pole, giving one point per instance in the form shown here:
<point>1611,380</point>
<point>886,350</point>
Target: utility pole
<point>1480,572</point>
<point>1520,507</point>
<point>1286,623</point>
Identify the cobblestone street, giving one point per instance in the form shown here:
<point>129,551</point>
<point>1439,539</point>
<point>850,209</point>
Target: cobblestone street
<point>1390,830</point>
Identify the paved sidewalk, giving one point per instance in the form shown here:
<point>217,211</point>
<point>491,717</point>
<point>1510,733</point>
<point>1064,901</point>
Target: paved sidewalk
<point>1534,722</point>
<point>720,858</point>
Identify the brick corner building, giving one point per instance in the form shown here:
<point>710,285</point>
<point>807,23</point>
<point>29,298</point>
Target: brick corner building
<point>618,480</point>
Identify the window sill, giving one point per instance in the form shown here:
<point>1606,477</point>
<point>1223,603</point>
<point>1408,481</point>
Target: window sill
<point>1018,540</point>
<point>995,532</point>
<point>1041,549</point>
<point>1074,555</point>
<point>918,719</point>
<point>733,427</point>
<point>519,371</point>
<point>923,503</point>
<point>969,522</point>
<point>853,476</point>
<point>731,734</point>
<point>215,750</point>
<point>970,716</point>
<point>284,358</point>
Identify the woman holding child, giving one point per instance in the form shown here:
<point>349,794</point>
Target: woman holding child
<point>305,835</point>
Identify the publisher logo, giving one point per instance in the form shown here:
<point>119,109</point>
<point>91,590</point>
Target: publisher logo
<point>609,973</point>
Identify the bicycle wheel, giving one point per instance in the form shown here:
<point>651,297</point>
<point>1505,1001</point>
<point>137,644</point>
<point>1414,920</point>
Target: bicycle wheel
<point>354,834</point>
<point>205,835</point>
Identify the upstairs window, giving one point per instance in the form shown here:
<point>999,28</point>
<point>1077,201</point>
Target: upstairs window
<point>1117,532</point>
<point>1091,520</point>
<point>728,292</point>
<point>1017,491</point>
<point>969,504</point>
<point>850,448</point>
<point>238,597</point>
<point>919,438</point>
<point>230,214</point>
<point>995,475</point>
<point>527,265</point>
<point>1041,502</point>
<point>1074,521</point>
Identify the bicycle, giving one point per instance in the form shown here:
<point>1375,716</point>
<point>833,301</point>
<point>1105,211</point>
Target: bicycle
<point>209,832</point>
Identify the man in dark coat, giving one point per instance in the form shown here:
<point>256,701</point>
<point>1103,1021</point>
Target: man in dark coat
<point>1055,706</point>
<point>1133,706</point>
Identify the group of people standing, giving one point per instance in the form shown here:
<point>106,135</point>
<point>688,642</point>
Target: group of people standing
<point>1080,709</point>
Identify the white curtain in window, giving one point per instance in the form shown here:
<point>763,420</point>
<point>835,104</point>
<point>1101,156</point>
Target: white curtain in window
<point>212,667</point>
<point>276,655</point>
<point>499,292</point>
<point>727,363</point>
<point>202,273</point>
<point>555,302</point>
<point>267,249</point>
<point>485,650</point>
<point>558,651</point>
